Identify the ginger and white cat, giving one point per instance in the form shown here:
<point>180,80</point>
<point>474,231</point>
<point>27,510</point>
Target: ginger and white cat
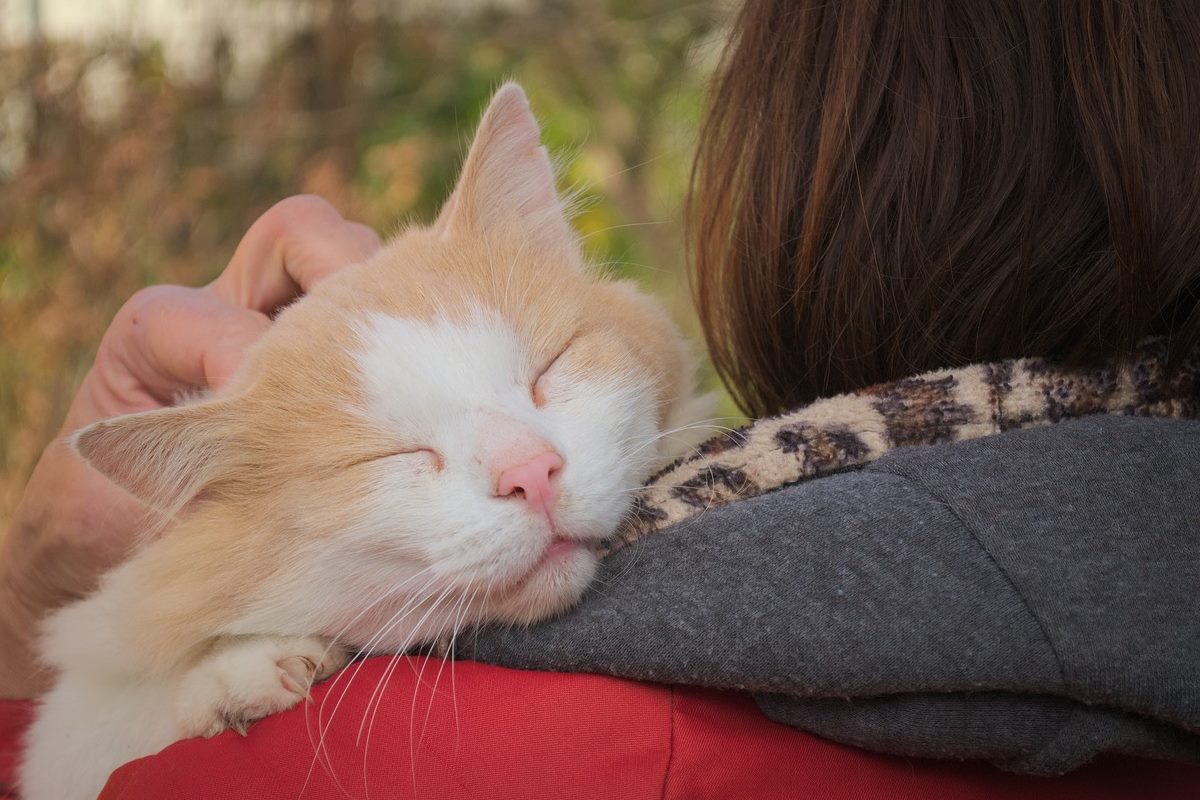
<point>431,438</point>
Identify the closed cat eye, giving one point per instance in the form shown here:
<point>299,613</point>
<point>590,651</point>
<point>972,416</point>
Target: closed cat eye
<point>434,456</point>
<point>536,391</point>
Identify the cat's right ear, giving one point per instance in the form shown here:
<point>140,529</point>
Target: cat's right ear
<point>507,178</point>
<point>163,457</point>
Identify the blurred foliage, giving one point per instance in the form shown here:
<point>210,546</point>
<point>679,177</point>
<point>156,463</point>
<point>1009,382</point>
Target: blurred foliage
<point>124,176</point>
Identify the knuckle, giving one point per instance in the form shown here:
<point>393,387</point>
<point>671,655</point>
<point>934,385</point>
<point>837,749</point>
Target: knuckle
<point>128,325</point>
<point>145,301</point>
<point>147,295</point>
<point>302,212</point>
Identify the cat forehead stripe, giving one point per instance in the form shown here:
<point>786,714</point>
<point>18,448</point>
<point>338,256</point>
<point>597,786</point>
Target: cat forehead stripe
<point>428,367</point>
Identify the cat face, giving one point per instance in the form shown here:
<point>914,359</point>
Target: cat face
<point>430,438</point>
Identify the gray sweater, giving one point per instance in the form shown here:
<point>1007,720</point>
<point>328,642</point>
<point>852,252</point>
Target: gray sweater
<point>1028,598</point>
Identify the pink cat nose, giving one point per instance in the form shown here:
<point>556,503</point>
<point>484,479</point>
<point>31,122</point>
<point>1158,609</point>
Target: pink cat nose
<point>531,480</point>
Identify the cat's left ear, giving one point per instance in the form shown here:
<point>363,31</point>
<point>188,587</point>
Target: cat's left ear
<point>507,178</point>
<point>164,457</point>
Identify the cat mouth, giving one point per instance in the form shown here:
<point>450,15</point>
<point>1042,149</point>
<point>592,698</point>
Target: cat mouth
<point>559,549</point>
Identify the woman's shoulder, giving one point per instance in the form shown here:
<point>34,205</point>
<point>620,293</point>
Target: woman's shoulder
<point>1084,480</point>
<point>1051,562</point>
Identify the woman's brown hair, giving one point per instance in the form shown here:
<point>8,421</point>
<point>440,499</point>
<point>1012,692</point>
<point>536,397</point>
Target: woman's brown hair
<point>889,187</point>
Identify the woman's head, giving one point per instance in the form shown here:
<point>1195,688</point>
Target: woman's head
<point>883,188</point>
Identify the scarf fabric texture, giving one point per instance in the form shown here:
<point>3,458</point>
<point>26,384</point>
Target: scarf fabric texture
<point>854,429</point>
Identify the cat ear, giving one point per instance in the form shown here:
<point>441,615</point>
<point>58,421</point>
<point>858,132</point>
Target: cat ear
<point>164,457</point>
<point>507,177</point>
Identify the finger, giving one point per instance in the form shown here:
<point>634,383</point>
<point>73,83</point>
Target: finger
<point>287,250</point>
<point>171,339</point>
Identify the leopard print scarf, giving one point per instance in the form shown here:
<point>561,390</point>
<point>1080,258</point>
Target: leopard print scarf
<point>943,406</point>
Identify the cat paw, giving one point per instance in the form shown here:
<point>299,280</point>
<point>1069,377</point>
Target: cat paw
<point>244,679</point>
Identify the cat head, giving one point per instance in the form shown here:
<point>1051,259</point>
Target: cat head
<point>445,429</point>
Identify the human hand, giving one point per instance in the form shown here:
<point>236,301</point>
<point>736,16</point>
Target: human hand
<point>72,524</point>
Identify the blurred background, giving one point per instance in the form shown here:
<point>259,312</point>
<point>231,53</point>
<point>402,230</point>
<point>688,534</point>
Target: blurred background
<point>140,138</point>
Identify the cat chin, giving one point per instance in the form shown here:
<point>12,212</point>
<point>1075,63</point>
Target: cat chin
<point>553,586</point>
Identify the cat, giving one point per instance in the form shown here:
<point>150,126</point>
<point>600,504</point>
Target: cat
<point>437,436</point>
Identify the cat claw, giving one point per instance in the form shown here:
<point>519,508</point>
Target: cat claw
<point>298,679</point>
<point>243,680</point>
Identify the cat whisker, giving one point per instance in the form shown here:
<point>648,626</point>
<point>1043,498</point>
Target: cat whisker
<point>599,231</point>
<point>682,428</point>
<point>378,693</point>
<point>397,658</point>
<point>453,645</point>
<point>702,425</point>
<point>633,167</point>
<point>415,599</point>
<point>408,607</point>
<point>412,714</point>
<point>454,623</point>
<point>388,592</point>
<point>487,595</point>
<point>319,743</point>
<point>711,421</point>
<point>617,262</point>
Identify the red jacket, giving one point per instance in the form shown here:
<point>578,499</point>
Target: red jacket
<point>493,733</point>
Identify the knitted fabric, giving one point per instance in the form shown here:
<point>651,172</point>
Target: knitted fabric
<point>853,429</point>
